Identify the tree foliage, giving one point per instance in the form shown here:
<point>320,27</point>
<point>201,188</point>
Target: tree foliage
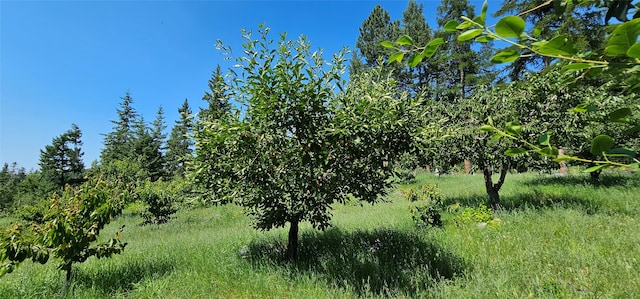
<point>61,161</point>
<point>299,145</point>
<point>180,143</point>
<point>69,229</point>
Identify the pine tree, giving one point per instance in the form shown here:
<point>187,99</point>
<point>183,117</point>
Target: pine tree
<point>118,144</point>
<point>215,97</point>
<point>415,25</point>
<point>61,161</point>
<point>458,65</point>
<point>179,145</point>
<point>377,28</point>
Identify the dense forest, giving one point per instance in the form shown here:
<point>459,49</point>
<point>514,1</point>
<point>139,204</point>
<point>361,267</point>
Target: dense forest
<point>549,86</point>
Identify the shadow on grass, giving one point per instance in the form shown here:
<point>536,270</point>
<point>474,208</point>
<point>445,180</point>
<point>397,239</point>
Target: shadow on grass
<point>382,262</point>
<point>605,180</point>
<point>532,199</point>
<point>120,277</point>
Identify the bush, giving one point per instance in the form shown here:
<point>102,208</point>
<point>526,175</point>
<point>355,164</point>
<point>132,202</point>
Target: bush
<point>426,205</point>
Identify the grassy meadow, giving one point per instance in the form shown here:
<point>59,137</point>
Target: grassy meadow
<point>557,237</point>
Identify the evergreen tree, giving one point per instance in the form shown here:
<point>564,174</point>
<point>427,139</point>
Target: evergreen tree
<point>458,65</point>
<point>61,161</point>
<point>415,25</point>
<point>377,28</point>
<point>118,144</point>
<point>215,97</point>
<point>179,145</point>
<point>584,27</point>
<point>146,150</point>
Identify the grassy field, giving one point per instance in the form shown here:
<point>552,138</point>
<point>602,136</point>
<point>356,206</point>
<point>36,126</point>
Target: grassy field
<point>558,237</point>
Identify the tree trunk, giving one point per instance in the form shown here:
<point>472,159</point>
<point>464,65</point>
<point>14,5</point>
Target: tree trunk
<point>564,169</point>
<point>67,280</point>
<point>292,246</point>
<point>494,189</point>
<point>467,166</point>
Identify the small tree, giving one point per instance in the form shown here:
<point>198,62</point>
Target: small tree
<point>299,146</point>
<point>70,228</point>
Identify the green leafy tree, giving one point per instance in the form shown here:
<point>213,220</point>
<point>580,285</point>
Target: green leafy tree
<point>299,146</point>
<point>118,143</point>
<point>61,161</point>
<point>69,230</point>
<point>180,143</point>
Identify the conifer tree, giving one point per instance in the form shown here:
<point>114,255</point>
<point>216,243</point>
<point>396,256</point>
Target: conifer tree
<point>61,161</point>
<point>179,145</point>
<point>378,27</point>
<point>215,97</point>
<point>118,143</point>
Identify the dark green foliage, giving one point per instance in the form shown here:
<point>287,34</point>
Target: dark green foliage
<point>61,161</point>
<point>216,97</point>
<point>378,27</point>
<point>179,146</point>
<point>10,178</point>
<point>459,66</point>
<point>118,145</point>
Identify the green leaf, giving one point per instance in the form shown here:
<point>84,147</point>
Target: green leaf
<point>497,135</point>
<point>619,115</point>
<point>450,26</point>
<point>621,152</point>
<point>404,40</point>
<point>559,45</point>
<point>505,56</point>
<point>544,139</point>
<point>634,166</point>
<point>464,25</point>
<point>536,32</point>
<point>490,120</point>
<point>510,27</point>
<point>601,144</point>
<point>582,108</point>
<point>549,151</point>
<point>415,60</point>
<point>483,12</point>
<point>435,42</point>
<point>596,168</point>
<point>397,57</point>
<point>515,151</point>
<point>432,47</point>
<point>388,45</point>
<point>469,34</point>
<point>622,38</point>
<point>632,130</point>
<point>576,66</point>
<point>513,128</point>
<point>634,51</point>
<point>487,128</point>
<point>485,39</point>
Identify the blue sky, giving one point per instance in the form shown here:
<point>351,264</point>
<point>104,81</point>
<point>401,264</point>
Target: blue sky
<point>65,62</point>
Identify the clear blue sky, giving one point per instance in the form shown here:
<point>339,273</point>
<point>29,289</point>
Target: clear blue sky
<point>65,62</point>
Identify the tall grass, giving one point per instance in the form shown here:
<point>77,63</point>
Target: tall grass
<point>558,237</point>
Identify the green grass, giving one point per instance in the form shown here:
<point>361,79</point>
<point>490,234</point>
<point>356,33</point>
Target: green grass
<point>559,237</point>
